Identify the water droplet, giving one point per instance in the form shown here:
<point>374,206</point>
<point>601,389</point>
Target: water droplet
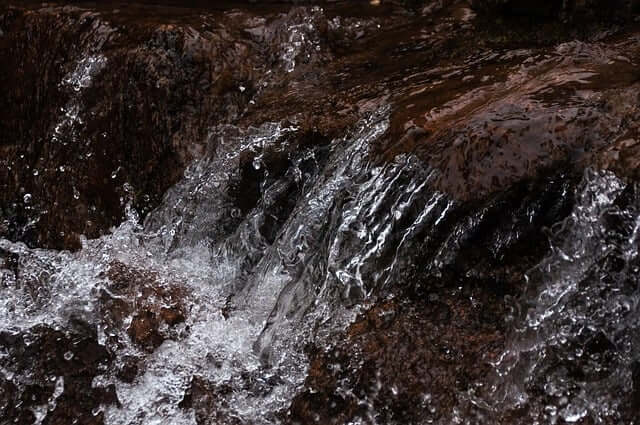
<point>27,198</point>
<point>573,413</point>
<point>68,355</point>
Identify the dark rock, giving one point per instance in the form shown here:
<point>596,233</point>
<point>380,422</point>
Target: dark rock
<point>208,402</point>
<point>401,363</point>
<point>409,359</point>
<point>128,369</point>
<point>139,295</point>
<point>110,107</point>
<point>119,103</point>
<point>568,10</point>
<point>484,143</point>
<point>53,371</point>
<point>98,117</point>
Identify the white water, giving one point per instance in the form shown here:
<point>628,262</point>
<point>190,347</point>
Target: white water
<point>345,238</point>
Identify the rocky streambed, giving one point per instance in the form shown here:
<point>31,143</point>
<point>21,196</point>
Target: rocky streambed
<point>384,212</point>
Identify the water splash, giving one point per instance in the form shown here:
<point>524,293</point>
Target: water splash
<point>573,351</point>
<point>303,40</point>
<point>325,233</point>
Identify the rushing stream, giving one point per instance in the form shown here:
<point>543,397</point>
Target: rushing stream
<point>575,339</point>
<point>305,215</point>
<point>348,232</point>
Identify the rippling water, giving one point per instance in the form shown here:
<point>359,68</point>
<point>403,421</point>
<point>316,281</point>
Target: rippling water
<point>269,245</point>
<point>258,286</point>
<point>573,351</point>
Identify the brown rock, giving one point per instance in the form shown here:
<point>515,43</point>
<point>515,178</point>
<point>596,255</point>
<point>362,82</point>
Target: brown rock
<point>408,359</point>
<point>54,371</point>
<point>139,295</point>
<point>208,402</point>
<point>401,363</point>
<point>103,109</point>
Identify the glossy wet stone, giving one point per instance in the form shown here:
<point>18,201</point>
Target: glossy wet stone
<point>412,358</point>
<point>115,140</point>
<point>369,188</point>
<point>570,11</point>
<point>51,377</point>
<point>106,118</point>
<point>139,299</point>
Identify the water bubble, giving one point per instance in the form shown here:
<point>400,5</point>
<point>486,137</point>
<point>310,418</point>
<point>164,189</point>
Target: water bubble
<point>27,198</point>
<point>573,413</point>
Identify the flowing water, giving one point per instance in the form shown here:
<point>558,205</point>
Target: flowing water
<point>573,352</point>
<point>269,250</point>
<point>348,232</point>
<point>256,297</point>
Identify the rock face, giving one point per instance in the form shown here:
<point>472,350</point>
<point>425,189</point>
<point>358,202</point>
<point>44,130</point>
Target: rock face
<point>73,118</point>
<point>55,371</point>
<point>115,116</point>
<point>105,108</point>
<point>568,10</point>
<point>138,295</point>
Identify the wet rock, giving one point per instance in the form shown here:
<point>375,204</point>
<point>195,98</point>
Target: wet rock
<point>107,117</point>
<point>622,156</point>
<point>114,140</point>
<point>10,261</point>
<point>105,108</point>
<point>519,7</point>
<point>409,359</point>
<point>48,376</point>
<point>402,363</point>
<point>146,307</point>
<point>563,110</point>
<point>207,400</point>
<point>568,10</point>
<point>127,370</point>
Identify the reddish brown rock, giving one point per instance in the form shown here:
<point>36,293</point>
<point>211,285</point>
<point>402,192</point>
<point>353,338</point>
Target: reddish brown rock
<point>410,358</point>
<point>108,105</point>
<point>102,110</point>
<point>52,372</point>
<point>485,130</point>
<point>403,363</point>
<point>208,402</point>
<point>104,107</point>
<point>139,296</point>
